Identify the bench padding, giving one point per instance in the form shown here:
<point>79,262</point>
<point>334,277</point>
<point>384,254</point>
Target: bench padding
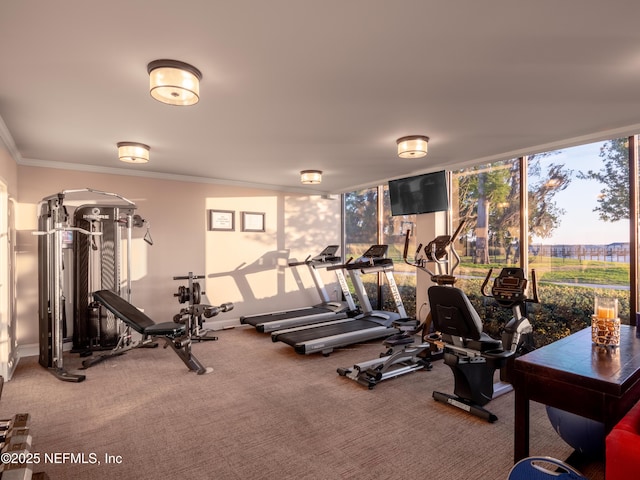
<point>136,319</point>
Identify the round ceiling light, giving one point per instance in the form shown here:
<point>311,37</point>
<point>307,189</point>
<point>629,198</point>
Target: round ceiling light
<point>412,146</point>
<point>173,82</point>
<point>133,152</point>
<point>311,177</point>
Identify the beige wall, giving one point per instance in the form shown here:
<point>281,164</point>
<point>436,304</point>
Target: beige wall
<point>8,171</point>
<point>247,268</point>
<point>8,309</point>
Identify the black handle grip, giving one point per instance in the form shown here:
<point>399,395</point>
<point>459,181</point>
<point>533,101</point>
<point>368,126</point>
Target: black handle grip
<point>484,284</point>
<point>534,286</point>
<point>406,244</point>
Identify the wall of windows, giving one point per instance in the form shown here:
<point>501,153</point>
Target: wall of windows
<point>368,221</point>
<point>564,214</point>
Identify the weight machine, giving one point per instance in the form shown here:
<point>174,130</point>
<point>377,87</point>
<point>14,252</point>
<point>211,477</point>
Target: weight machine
<point>80,252</point>
<point>193,316</point>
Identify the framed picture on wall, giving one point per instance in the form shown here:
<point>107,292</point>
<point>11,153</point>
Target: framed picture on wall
<point>223,220</point>
<point>252,222</point>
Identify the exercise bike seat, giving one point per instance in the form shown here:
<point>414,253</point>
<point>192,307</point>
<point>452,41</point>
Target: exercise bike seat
<point>484,344</point>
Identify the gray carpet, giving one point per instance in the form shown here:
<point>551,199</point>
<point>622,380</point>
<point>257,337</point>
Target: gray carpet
<point>265,412</point>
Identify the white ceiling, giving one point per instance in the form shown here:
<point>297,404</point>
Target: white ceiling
<point>315,84</point>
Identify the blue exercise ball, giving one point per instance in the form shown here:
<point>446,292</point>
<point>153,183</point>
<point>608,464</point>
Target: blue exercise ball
<point>583,434</point>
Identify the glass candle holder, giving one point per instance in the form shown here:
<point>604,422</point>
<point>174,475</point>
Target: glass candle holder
<point>605,307</point>
<point>605,324</point>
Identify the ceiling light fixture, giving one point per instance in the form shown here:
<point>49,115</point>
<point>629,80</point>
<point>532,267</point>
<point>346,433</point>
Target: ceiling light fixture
<point>412,146</point>
<point>133,152</point>
<point>173,82</point>
<point>311,177</point>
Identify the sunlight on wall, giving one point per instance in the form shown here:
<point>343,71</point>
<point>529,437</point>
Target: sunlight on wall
<point>26,216</point>
<point>139,253</point>
<point>28,288</point>
<point>27,281</point>
<point>251,268</point>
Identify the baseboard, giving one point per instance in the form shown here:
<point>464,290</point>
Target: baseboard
<point>29,350</point>
<point>222,324</point>
<point>33,349</point>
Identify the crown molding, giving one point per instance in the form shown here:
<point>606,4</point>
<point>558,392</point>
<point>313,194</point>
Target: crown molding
<point>166,176</point>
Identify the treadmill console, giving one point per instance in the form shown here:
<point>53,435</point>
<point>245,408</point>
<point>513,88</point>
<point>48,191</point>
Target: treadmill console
<point>328,255</point>
<point>376,251</point>
<point>374,257</point>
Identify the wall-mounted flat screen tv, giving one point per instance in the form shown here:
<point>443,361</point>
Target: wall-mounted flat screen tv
<point>420,194</point>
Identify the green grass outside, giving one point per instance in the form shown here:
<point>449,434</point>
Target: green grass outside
<point>558,270</point>
<point>566,288</point>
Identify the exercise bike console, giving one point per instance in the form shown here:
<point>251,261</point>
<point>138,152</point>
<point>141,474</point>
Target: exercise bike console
<point>510,291</point>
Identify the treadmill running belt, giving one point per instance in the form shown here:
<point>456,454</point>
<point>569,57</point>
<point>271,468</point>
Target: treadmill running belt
<point>292,338</point>
<point>303,312</point>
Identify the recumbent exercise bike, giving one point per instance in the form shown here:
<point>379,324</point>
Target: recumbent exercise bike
<point>472,355</point>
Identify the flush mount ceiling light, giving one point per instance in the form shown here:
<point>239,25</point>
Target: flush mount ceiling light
<point>174,82</point>
<point>311,177</point>
<point>412,146</point>
<point>132,152</point>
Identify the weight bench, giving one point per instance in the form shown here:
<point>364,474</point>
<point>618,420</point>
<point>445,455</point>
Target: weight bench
<point>174,334</point>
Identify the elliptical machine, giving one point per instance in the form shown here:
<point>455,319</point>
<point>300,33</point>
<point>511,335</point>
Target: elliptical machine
<point>194,315</point>
<point>403,355</point>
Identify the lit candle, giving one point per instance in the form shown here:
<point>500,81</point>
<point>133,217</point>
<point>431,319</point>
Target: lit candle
<point>605,312</point>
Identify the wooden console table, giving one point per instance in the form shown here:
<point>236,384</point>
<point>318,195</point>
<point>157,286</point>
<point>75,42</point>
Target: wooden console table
<point>574,375</point>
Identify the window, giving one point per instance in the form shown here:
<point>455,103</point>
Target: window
<point>394,231</point>
<point>365,226</point>
<point>361,231</point>
<point>579,232</point>
<point>487,199</point>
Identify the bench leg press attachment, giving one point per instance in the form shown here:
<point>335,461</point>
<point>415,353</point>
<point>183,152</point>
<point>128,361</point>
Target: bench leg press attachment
<point>182,347</point>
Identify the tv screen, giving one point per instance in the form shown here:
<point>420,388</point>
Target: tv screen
<point>420,194</point>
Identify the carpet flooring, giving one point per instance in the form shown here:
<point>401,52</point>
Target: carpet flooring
<point>264,412</point>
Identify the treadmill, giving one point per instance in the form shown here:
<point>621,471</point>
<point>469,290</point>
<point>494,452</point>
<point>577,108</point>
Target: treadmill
<point>322,312</point>
<point>369,325</point>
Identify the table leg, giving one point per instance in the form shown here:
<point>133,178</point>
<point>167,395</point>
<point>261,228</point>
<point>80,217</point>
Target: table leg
<point>521,426</point>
